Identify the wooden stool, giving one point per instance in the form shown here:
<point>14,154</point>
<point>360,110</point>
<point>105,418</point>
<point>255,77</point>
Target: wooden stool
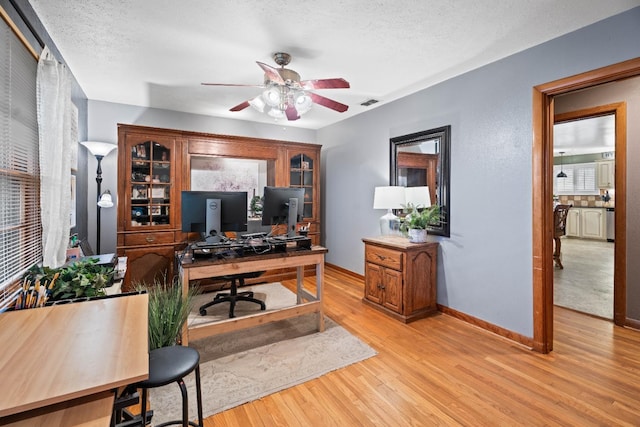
<point>172,364</point>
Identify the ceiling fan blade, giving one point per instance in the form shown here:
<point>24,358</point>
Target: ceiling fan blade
<point>339,83</point>
<point>230,84</point>
<point>292,113</point>
<point>272,73</point>
<point>240,107</point>
<point>329,103</point>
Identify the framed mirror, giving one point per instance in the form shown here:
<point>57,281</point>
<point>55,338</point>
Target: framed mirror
<point>421,159</point>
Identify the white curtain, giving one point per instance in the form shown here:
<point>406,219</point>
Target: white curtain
<point>54,128</point>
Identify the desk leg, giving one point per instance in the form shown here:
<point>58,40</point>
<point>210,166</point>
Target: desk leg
<point>319,283</point>
<point>299,283</point>
<point>185,289</point>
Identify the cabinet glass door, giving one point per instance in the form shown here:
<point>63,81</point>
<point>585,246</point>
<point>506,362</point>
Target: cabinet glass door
<point>301,176</point>
<point>150,184</point>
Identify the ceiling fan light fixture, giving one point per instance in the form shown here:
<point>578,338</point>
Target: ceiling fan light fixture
<point>258,103</point>
<point>272,96</point>
<point>303,102</point>
<point>276,113</point>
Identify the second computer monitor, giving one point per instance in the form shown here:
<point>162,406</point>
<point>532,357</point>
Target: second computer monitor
<point>283,205</point>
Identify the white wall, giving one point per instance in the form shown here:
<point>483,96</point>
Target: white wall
<point>485,267</point>
<point>103,118</point>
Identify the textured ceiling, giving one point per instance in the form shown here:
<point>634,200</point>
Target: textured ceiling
<point>157,52</point>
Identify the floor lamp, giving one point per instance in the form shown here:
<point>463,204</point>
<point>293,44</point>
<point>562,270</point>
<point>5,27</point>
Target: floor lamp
<point>99,150</point>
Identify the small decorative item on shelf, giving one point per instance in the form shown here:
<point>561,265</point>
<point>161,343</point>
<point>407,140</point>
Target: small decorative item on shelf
<point>415,223</point>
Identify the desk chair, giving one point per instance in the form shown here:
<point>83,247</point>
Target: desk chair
<point>233,295</point>
<point>560,229</point>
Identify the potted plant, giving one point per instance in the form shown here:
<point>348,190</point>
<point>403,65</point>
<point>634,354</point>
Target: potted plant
<point>168,310</point>
<point>415,223</point>
<point>82,278</point>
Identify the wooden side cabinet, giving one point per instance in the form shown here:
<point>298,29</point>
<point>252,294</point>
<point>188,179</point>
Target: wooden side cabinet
<point>400,277</point>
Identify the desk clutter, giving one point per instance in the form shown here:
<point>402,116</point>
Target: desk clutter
<point>245,245</point>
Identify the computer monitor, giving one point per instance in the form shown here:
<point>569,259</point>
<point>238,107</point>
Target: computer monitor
<point>213,212</point>
<point>283,205</point>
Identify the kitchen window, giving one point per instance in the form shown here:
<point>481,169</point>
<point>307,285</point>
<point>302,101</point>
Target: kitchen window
<point>581,179</point>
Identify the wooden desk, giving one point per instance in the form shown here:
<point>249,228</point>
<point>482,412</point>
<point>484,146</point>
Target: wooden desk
<point>61,364</point>
<point>306,301</point>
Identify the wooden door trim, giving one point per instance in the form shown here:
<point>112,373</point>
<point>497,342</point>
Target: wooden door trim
<point>542,193</point>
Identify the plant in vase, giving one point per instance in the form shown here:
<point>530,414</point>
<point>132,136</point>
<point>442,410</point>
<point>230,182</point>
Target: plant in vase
<point>416,221</point>
<point>168,310</point>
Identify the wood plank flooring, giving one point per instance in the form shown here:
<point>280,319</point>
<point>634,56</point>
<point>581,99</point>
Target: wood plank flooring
<point>441,371</point>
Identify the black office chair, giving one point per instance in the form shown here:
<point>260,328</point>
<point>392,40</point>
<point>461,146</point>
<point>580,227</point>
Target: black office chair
<point>233,295</point>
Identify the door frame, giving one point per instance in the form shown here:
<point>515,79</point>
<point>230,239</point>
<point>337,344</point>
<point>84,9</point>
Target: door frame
<point>542,194</point>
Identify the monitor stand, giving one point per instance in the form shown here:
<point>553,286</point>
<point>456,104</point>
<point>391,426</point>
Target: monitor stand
<point>292,217</point>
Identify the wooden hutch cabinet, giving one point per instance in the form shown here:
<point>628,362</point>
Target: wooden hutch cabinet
<point>154,167</point>
<point>400,277</point>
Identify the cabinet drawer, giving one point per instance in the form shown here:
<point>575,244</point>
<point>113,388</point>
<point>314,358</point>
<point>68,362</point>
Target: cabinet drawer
<point>143,239</point>
<point>384,257</point>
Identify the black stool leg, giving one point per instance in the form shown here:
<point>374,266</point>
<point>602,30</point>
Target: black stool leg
<point>143,407</point>
<point>185,403</point>
<point>199,396</point>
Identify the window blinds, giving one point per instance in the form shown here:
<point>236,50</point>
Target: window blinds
<point>581,179</point>
<point>20,230</point>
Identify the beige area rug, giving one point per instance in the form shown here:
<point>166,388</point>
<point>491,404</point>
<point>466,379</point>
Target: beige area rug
<point>243,366</point>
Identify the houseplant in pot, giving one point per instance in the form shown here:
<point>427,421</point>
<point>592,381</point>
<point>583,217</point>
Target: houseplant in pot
<point>168,310</point>
<point>415,223</point>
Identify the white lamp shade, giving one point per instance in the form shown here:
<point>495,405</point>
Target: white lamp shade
<point>105,200</point>
<point>98,148</point>
<point>390,197</point>
<point>418,196</point>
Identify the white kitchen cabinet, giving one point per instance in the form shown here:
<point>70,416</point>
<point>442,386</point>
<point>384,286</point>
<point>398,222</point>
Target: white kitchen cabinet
<point>573,222</point>
<point>587,223</point>
<point>592,224</point>
<point>606,174</point>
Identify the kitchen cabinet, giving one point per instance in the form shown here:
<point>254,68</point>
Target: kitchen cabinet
<point>606,174</point>
<point>586,223</point>
<point>400,277</point>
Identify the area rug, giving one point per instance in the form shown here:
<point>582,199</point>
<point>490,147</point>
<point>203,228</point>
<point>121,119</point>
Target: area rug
<point>242,366</point>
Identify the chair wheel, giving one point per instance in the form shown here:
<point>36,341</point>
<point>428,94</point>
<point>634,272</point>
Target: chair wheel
<point>203,312</point>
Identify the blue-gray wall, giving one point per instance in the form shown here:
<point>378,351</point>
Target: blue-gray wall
<point>485,267</point>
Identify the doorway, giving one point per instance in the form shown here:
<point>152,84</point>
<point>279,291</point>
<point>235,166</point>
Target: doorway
<point>584,143</point>
<point>542,190</point>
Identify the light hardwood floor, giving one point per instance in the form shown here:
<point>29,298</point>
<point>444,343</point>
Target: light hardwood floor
<point>442,371</point>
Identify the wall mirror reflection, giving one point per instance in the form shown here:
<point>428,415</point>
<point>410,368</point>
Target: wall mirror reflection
<point>210,173</point>
<point>422,159</point>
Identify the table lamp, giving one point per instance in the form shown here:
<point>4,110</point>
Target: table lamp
<point>418,197</point>
<point>389,197</point>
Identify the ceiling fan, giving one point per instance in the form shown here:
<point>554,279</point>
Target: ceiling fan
<point>285,95</point>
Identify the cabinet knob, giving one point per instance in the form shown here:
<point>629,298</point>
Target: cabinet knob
<point>381,257</point>
<point>150,239</point>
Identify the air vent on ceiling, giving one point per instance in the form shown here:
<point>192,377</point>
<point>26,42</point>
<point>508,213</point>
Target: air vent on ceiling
<point>369,102</point>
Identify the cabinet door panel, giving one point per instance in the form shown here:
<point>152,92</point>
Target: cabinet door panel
<point>573,222</point>
<point>148,264</point>
<point>592,223</point>
<point>373,283</point>
<point>392,290</point>
<point>422,275</point>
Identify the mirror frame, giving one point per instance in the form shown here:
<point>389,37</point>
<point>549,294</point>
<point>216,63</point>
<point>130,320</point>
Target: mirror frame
<point>444,165</point>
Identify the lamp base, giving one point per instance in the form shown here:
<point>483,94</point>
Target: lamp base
<point>389,224</point>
